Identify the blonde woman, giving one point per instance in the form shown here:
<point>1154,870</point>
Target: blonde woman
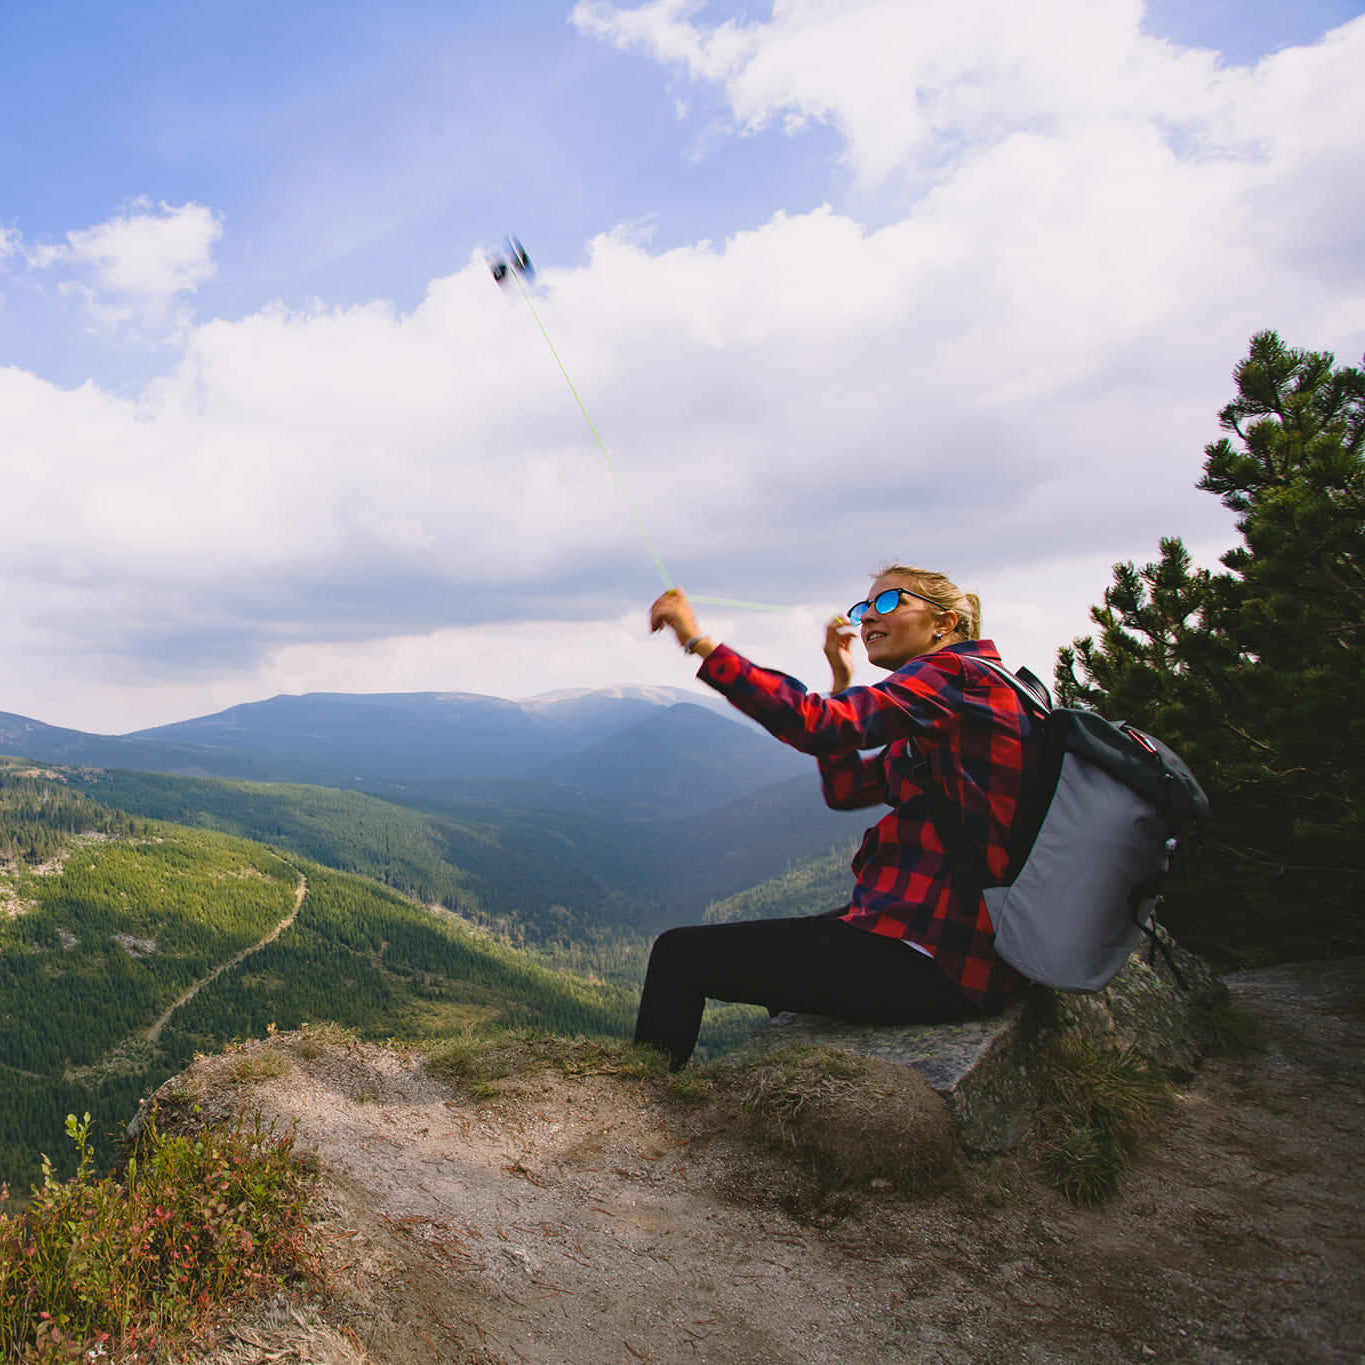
<point>906,948</point>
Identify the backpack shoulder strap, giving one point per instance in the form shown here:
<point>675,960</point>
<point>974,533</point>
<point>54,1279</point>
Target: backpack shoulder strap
<point>1027,684</point>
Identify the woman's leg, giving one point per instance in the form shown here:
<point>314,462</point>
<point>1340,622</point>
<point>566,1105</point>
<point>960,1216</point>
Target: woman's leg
<point>817,965</point>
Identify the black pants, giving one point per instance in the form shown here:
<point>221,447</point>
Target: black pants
<point>816,965</point>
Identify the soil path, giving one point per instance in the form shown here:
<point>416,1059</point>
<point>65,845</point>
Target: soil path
<point>578,1221</point>
<point>154,1033</point>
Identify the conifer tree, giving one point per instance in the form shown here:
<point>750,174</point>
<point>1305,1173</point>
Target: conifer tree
<point>1257,674</point>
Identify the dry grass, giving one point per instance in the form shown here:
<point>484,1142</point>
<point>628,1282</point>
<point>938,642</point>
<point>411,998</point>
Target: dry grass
<point>858,1122</point>
<point>259,1066</point>
<point>480,1063</point>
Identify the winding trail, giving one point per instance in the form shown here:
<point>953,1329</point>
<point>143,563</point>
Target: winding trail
<point>154,1033</point>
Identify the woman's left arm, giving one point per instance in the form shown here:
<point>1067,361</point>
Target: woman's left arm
<point>852,781</point>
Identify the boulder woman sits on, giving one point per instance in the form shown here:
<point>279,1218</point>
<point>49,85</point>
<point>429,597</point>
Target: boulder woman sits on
<point>905,950</point>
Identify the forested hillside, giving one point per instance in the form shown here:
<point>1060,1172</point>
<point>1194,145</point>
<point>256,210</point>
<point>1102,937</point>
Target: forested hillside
<point>37,816</point>
<point>809,887</point>
<point>348,831</point>
<point>552,868</point>
<point>646,750</point>
<point>121,918</point>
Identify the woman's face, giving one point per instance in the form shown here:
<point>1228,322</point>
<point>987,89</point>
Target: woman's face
<point>905,632</point>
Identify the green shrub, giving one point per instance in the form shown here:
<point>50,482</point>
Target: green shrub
<point>123,1266</point>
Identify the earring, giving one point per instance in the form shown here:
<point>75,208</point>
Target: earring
<point>939,636</point>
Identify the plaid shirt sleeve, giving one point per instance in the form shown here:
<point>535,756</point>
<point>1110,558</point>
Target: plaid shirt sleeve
<point>920,701</point>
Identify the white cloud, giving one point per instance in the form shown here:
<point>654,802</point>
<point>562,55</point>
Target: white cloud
<point>912,85</point>
<point>1013,381</point>
<point>136,264</point>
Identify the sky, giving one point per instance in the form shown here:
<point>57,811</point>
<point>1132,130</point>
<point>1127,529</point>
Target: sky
<point>837,284</point>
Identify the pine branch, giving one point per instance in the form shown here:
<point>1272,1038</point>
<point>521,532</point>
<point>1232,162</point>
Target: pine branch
<point>1258,743</point>
<point>1281,867</point>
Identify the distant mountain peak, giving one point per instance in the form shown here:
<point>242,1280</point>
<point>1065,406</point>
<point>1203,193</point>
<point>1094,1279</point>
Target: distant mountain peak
<point>654,694</point>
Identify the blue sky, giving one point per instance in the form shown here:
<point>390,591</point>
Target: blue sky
<point>356,152</point>
<point>838,284</point>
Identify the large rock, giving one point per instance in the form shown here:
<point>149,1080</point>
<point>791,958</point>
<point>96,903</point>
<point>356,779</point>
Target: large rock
<point>988,1071</point>
<point>1162,1009</point>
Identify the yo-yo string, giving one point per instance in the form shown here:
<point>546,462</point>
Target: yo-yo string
<point>620,482</point>
<point>737,602</point>
<point>615,473</point>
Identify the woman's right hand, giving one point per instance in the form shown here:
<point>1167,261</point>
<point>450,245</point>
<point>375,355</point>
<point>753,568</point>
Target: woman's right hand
<point>672,611</point>
<point>839,635</point>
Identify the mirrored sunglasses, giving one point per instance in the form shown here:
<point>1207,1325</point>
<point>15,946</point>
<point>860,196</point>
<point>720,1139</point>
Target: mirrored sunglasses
<point>886,602</point>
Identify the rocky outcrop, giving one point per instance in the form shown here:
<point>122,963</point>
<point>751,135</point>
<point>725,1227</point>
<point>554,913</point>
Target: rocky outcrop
<point>988,1071</point>
<point>592,1215</point>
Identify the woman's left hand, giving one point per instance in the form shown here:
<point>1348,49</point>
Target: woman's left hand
<point>674,612</point>
<point>839,635</point>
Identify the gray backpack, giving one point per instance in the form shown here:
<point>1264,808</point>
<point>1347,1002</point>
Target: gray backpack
<point>1108,814</point>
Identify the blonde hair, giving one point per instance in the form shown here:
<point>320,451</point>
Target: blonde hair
<point>943,593</point>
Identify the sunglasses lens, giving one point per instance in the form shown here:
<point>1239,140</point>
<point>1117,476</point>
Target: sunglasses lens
<point>857,612</point>
<point>887,601</point>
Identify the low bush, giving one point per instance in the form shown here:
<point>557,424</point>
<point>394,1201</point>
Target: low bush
<point>124,1267</point>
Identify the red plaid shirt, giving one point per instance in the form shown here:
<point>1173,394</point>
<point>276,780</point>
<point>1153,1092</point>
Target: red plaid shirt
<point>978,740</point>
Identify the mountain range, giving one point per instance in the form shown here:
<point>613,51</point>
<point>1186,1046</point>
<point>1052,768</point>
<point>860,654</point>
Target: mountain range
<point>561,817</point>
<point>653,749</point>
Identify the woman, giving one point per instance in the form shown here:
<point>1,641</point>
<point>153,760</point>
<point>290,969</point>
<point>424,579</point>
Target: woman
<point>905,950</point>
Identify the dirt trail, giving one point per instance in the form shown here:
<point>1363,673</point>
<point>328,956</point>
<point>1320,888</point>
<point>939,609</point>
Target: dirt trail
<point>154,1033</point>
<point>579,1221</point>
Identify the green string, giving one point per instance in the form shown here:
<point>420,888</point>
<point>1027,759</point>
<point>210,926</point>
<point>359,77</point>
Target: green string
<point>735,602</point>
<point>620,483</point>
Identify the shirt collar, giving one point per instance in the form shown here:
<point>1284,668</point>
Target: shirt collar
<point>984,649</point>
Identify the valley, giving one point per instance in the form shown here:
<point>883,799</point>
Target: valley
<point>149,916</point>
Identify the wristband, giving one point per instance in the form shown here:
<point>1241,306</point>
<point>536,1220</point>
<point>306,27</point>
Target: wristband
<point>691,646</point>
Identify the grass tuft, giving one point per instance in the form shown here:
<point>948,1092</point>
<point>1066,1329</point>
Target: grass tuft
<point>1233,1030</point>
<point>137,1267</point>
<point>779,1085</point>
<point>1100,1105</point>
<point>312,1041</point>
<point>258,1066</point>
<point>852,1126</point>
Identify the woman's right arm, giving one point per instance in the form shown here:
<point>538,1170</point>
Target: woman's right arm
<point>858,718</point>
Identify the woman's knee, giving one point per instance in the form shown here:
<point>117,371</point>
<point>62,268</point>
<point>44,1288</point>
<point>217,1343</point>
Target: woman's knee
<point>674,952</point>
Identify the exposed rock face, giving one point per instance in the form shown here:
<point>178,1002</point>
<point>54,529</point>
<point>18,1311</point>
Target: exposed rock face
<point>988,1071</point>
<point>1147,1009</point>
